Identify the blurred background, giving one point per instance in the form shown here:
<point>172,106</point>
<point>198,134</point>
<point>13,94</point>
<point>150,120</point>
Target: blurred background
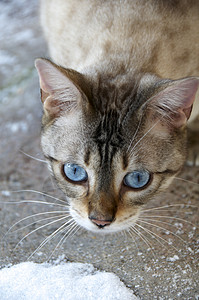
<point>21,42</point>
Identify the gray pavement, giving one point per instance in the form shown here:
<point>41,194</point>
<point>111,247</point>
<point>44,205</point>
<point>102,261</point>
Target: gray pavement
<point>164,267</point>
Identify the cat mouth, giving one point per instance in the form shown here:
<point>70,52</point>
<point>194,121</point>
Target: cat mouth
<point>103,226</point>
<point>101,223</point>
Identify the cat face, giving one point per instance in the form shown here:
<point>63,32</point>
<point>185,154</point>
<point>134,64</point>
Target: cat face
<point>111,149</point>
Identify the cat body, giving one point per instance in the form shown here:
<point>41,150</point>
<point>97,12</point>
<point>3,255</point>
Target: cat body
<point>124,37</point>
<point>117,98</point>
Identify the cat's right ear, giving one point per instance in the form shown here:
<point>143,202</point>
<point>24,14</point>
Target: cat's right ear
<point>58,92</point>
<point>172,105</point>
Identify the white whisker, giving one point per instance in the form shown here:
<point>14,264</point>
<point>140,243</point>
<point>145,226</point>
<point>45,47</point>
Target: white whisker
<point>135,134</point>
<point>132,236</point>
<point>34,215</point>
<point>144,136</point>
<point>74,231</point>
<point>35,201</point>
<point>168,206</point>
<point>40,227</point>
<point>66,235</point>
<point>123,232</point>
<point>71,232</point>
<point>160,227</point>
<point>38,221</point>
<point>188,181</point>
<point>40,193</point>
<point>158,237</point>
<point>45,241</point>
<point>143,238</point>
<point>35,158</point>
<point>172,218</point>
<point>152,234</point>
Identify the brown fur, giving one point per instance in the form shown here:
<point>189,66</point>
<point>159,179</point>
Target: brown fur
<point>116,113</point>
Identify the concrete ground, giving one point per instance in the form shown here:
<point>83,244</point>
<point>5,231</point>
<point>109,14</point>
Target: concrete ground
<point>164,265</point>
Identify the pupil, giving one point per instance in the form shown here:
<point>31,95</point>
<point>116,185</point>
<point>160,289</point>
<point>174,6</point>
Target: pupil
<point>75,170</point>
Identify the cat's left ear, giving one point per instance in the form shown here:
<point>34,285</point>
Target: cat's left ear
<point>173,104</point>
<point>59,91</point>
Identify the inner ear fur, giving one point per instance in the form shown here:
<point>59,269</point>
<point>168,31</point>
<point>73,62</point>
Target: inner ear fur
<point>172,104</point>
<point>61,89</point>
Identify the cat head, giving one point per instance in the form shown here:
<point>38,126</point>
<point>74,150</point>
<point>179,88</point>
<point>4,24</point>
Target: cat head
<point>112,143</point>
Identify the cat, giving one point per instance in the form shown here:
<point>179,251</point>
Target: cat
<point>117,97</point>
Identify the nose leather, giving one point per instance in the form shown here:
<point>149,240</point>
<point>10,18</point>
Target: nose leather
<point>101,223</point>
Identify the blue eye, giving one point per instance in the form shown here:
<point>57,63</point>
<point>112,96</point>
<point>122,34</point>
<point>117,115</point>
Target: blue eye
<point>75,173</point>
<point>137,179</point>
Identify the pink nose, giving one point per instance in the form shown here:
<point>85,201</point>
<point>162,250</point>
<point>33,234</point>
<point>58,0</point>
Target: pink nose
<point>101,223</point>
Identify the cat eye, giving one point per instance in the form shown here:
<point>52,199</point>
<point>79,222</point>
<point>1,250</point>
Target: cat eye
<point>75,173</point>
<point>137,179</point>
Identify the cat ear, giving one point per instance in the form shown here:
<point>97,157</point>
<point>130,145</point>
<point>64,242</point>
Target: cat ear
<point>173,104</point>
<point>58,92</point>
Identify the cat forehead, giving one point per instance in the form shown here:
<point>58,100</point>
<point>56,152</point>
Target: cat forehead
<point>117,91</point>
<point>85,142</point>
<point>116,116</point>
<point>113,96</point>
